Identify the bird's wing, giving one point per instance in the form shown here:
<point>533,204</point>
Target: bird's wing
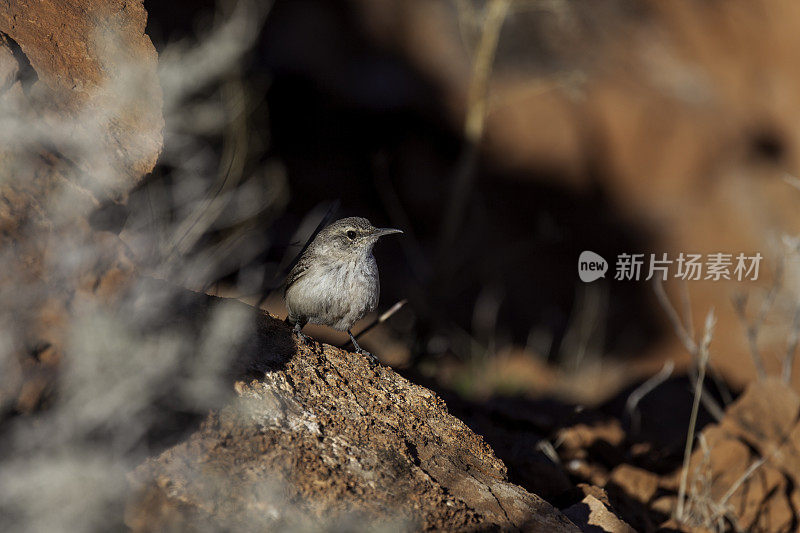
<point>299,270</point>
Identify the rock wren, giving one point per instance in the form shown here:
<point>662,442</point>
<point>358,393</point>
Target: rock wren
<point>335,281</point>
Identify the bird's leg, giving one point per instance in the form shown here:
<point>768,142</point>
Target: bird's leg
<point>358,348</point>
<point>298,327</point>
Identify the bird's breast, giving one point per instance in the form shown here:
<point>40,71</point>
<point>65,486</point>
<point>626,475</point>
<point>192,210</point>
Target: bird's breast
<point>336,293</point>
<point>359,281</point>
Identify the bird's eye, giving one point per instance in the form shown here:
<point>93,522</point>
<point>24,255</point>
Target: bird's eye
<point>351,234</point>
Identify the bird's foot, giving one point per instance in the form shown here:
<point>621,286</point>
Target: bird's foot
<point>302,337</point>
<point>361,351</point>
<point>372,358</point>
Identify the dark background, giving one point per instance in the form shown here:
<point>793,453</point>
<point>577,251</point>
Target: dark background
<point>354,123</point>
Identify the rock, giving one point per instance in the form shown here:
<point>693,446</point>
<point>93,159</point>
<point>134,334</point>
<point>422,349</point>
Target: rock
<point>589,450</point>
<point>516,429</point>
<point>633,492</point>
<point>81,107</point>
<point>592,515</point>
<point>638,484</point>
<point>765,418</point>
<point>324,437</point>
<point>581,436</point>
<point>577,493</point>
<point>97,84</point>
<point>664,505</point>
<point>743,467</point>
<point>595,492</point>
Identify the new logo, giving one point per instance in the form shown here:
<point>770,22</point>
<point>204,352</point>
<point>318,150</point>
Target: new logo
<point>591,266</point>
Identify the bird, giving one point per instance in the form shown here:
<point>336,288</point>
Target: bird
<point>335,281</point>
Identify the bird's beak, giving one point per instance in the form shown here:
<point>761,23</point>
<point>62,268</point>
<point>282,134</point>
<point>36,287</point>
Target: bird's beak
<point>380,232</point>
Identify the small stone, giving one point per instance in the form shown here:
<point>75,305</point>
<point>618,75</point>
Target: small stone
<point>591,514</point>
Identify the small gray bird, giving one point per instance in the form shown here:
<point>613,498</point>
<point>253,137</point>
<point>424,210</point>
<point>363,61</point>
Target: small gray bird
<point>335,281</point>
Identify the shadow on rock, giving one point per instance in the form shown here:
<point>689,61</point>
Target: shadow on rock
<point>327,437</point>
<point>217,342</point>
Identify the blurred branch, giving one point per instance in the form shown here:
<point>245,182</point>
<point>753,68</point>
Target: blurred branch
<point>791,347</point>
<point>744,477</point>
<point>205,93</point>
<point>643,390</point>
<point>680,329</point>
<point>474,123</point>
<point>792,180</point>
<point>683,331</point>
<point>230,173</point>
<point>586,326</point>
<point>380,320</point>
<point>548,450</point>
<point>687,309</point>
<point>703,354</point>
<point>482,69</point>
<point>752,328</point>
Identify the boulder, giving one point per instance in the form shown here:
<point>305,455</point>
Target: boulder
<point>323,437</point>
<point>82,124</point>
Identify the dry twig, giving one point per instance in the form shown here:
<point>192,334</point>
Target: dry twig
<point>685,333</point>
<point>386,315</point>
<point>708,331</point>
<point>752,328</point>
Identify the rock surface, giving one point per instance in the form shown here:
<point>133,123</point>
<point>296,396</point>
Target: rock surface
<point>742,474</point>
<point>745,467</point>
<point>82,124</point>
<point>327,437</point>
<point>592,514</point>
<point>96,87</point>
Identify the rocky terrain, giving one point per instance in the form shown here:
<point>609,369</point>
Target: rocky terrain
<point>322,436</point>
<point>72,139</point>
<point>131,398</point>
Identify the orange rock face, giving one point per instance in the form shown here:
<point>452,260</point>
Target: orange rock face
<point>81,106</point>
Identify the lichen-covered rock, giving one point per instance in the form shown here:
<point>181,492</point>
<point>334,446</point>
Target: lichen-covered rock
<point>326,437</point>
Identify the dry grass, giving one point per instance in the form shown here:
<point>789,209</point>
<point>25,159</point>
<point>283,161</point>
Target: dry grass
<point>696,506</point>
<point>703,355</point>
